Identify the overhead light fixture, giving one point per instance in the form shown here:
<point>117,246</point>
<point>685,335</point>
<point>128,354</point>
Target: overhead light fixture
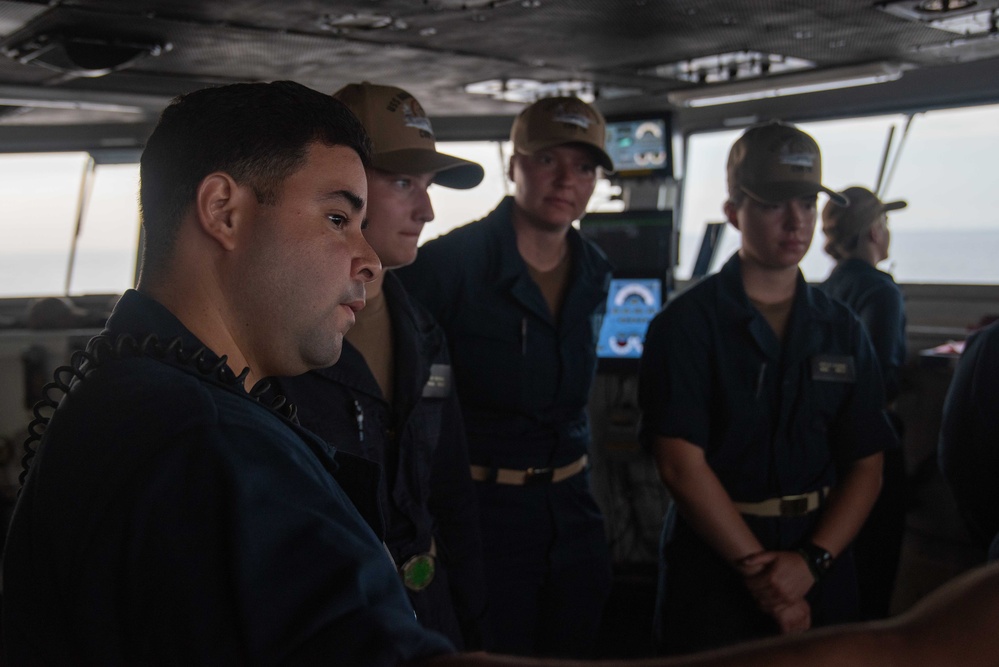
<point>971,19</point>
<point>796,83</point>
<point>68,104</point>
<point>946,5</point>
<point>526,91</point>
<point>530,90</point>
<point>926,11</point>
<point>341,24</point>
<point>976,23</point>
<point>730,66</point>
<point>82,56</point>
<point>969,41</point>
<point>42,97</point>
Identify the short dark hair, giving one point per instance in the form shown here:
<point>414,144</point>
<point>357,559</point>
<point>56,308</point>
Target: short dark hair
<point>258,133</point>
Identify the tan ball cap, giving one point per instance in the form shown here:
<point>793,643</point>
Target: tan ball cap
<point>776,162</point>
<point>402,138</point>
<point>844,224</point>
<point>554,121</point>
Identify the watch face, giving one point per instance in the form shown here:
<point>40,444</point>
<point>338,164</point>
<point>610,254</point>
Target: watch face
<point>819,560</point>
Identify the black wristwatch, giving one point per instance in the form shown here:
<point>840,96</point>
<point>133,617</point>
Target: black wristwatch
<point>819,560</point>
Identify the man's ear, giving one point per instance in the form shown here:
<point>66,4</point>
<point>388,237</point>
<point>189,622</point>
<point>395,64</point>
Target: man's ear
<point>731,213</point>
<point>218,203</point>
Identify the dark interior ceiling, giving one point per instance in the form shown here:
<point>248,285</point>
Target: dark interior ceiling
<point>78,62</point>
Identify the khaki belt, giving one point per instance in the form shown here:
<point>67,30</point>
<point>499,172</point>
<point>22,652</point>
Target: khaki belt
<point>529,476</point>
<point>418,570</point>
<point>797,505</point>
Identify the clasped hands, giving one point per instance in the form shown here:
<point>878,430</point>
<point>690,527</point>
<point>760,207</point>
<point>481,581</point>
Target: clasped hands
<point>779,580</point>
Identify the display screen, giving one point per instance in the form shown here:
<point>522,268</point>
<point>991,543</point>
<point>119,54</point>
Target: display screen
<point>631,305</point>
<point>637,242</point>
<point>639,146</point>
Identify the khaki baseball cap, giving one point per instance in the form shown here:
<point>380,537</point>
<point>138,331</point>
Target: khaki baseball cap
<point>554,121</point>
<point>776,162</point>
<point>844,224</point>
<point>402,138</point>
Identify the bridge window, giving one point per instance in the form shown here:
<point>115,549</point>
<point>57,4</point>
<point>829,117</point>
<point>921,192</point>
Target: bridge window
<point>949,233</point>
<point>41,195</point>
<point>454,208</point>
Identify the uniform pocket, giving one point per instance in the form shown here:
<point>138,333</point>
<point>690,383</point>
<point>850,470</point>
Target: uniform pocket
<point>488,359</point>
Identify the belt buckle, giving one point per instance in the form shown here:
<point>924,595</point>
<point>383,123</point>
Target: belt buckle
<point>538,476</point>
<point>418,571</point>
<point>794,506</point>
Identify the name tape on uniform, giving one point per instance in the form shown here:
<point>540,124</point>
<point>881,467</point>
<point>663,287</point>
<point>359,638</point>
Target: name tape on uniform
<point>439,383</point>
<point>833,368</point>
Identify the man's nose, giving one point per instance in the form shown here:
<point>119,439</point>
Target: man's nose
<point>366,265</point>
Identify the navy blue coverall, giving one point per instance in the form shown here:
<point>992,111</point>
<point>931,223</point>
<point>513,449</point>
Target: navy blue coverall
<point>419,443</point>
<point>524,378</point>
<point>878,302</point>
<point>170,518</point>
<point>874,297</point>
<point>773,421</point>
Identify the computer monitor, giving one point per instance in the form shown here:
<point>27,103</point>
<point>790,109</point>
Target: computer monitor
<point>636,241</point>
<point>631,305</point>
<point>639,243</point>
<point>640,145</point>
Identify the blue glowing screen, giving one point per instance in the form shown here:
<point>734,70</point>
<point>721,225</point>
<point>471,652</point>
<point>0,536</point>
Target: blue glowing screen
<point>631,304</point>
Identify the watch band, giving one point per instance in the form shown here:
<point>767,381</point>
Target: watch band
<point>819,560</point>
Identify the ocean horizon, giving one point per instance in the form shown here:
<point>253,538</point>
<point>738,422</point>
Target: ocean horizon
<point>43,273</point>
<point>917,256</point>
<point>954,257</point>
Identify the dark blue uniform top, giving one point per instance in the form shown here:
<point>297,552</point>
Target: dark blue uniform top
<point>419,443</point>
<point>875,298</point>
<point>969,434</point>
<point>169,518</point>
<point>523,376</point>
<point>773,419</point>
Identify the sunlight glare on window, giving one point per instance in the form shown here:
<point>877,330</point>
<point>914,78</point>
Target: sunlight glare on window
<point>40,194</point>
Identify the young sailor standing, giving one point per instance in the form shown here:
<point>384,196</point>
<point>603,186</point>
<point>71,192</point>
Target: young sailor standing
<point>390,398</point>
<point>518,293</point>
<point>762,403</point>
<point>858,238</point>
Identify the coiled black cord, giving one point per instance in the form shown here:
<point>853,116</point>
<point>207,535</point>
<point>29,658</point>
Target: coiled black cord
<point>103,348</point>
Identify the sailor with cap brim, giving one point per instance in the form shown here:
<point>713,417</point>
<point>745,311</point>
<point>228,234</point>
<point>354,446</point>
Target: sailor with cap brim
<point>518,293</point>
<point>391,396</point>
<point>858,238</point>
<point>762,405</point>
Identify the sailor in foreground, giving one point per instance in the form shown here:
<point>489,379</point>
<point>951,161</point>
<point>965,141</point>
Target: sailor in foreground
<point>168,516</point>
